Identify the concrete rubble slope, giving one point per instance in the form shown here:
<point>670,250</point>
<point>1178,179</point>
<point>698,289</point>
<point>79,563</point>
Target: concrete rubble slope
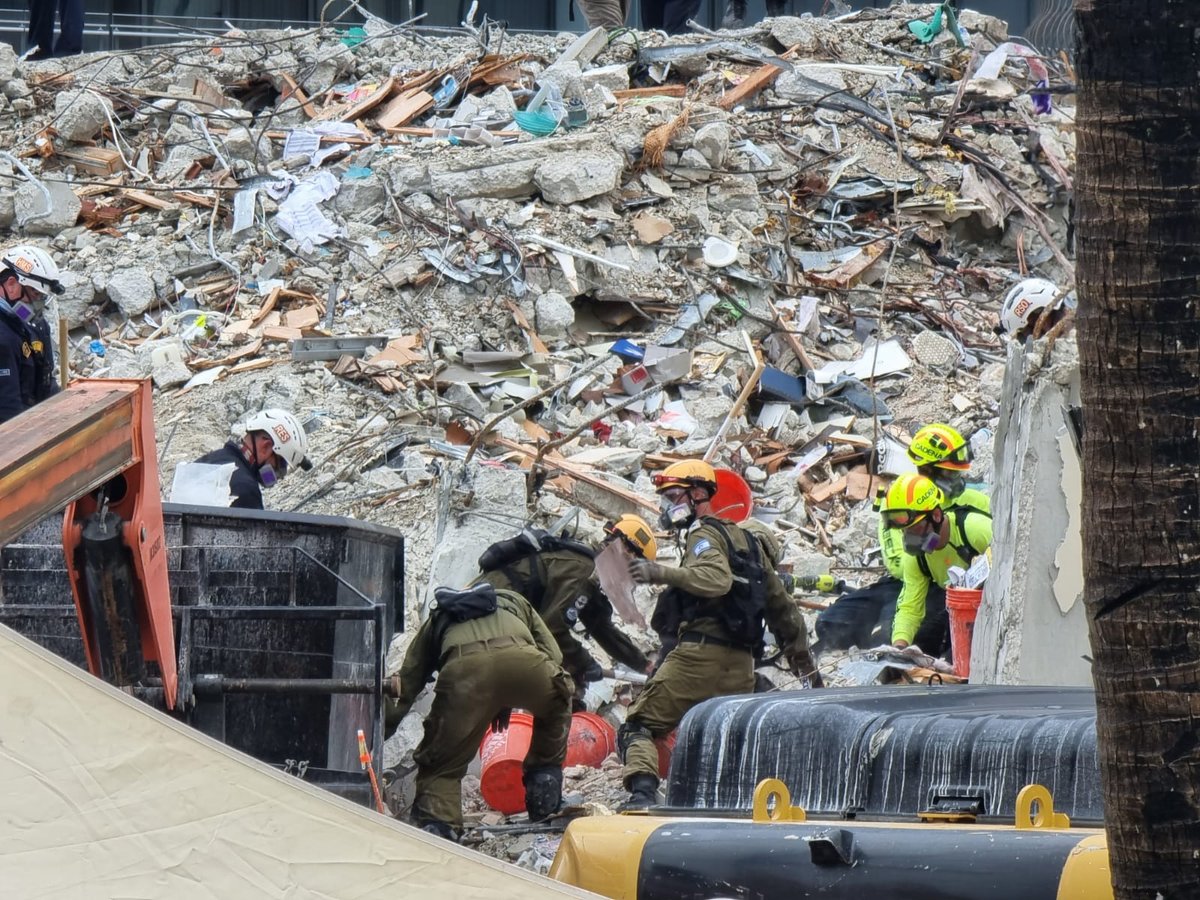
<point>105,797</point>
<point>544,257</point>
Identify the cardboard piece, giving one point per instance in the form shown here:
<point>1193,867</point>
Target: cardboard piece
<point>612,570</point>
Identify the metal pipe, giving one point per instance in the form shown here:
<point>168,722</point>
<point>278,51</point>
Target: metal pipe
<point>215,685</point>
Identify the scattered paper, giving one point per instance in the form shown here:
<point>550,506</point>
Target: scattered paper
<point>301,143</point>
<point>612,570</point>
<point>890,360</point>
<point>202,484</point>
<point>243,209</point>
<point>301,218</point>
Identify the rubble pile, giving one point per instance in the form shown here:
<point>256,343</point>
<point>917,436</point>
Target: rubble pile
<point>571,259</point>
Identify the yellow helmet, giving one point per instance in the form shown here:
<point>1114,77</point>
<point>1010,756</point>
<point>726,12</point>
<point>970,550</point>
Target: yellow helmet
<point>910,499</point>
<point>941,446</point>
<point>685,474</point>
<point>635,532</point>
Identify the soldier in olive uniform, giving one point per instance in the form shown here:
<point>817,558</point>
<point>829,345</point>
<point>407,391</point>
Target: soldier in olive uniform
<point>719,631</point>
<point>559,580</point>
<point>492,653</point>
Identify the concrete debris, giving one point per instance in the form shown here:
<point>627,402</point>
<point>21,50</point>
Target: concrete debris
<point>526,226</point>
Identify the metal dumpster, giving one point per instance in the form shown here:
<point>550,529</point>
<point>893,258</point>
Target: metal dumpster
<point>282,622</point>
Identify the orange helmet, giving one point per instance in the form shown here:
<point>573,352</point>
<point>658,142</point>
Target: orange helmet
<point>635,533</point>
<point>685,474</point>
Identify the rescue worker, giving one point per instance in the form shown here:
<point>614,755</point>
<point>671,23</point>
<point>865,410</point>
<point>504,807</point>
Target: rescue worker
<point>863,618</point>
<point>726,590</point>
<point>273,442</point>
<point>492,652</point>
<point>935,537</point>
<point>1035,307</point>
<point>558,577</point>
<point>27,275</point>
<point>607,14</point>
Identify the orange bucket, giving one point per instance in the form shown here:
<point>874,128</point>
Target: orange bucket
<point>733,500</point>
<point>502,755</point>
<point>591,740</point>
<point>963,605</point>
<point>665,745</point>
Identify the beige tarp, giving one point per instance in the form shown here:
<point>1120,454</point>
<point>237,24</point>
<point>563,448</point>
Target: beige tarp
<point>103,797</point>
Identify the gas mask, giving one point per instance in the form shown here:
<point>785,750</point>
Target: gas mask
<point>924,542</point>
<point>266,474</point>
<point>675,515</point>
<point>950,483</point>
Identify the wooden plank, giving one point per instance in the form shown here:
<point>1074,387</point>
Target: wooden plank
<point>760,78</point>
<point>553,460</point>
<point>403,109</point>
<point>281,333</point>
<point>289,88</point>
<point>250,349</point>
<point>848,273</point>
<point>95,160</point>
<point>666,90</point>
<point>145,198</point>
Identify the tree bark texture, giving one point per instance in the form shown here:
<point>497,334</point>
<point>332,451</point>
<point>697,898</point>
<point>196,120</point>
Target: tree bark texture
<point>1138,279</point>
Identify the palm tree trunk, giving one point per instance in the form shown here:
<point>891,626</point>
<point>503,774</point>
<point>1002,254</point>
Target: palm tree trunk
<point>1138,194</point>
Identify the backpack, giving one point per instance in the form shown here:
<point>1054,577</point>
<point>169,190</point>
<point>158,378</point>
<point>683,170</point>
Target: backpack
<point>740,612</point>
<point>503,556</point>
<point>451,607</point>
<point>965,551</point>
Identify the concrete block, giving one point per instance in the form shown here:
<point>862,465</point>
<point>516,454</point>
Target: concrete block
<point>29,206</point>
<point>132,290</point>
<point>79,292</point>
<point>79,115</point>
<point>712,140</point>
<point>553,315</point>
<point>1032,626</point>
<point>584,49</point>
<point>615,77</point>
<point>358,195</point>
<point>567,178</point>
<point>503,180</point>
<point>167,367</point>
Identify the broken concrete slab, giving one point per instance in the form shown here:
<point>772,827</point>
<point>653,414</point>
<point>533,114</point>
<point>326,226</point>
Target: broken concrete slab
<point>132,290</point>
<point>569,179</point>
<point>35,216</point>
<point>80,115</point>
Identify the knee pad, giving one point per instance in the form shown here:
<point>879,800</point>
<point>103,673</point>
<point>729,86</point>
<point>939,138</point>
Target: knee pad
<point>628,733</point>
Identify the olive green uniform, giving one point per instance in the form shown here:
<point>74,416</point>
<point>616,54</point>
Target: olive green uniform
<point>486,665</point>
<point>561,585</point>
<point>705,663</point>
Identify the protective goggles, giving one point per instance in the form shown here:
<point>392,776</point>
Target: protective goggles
<point>45,285</point>
<point>959,459</point>
<point>904,518</point>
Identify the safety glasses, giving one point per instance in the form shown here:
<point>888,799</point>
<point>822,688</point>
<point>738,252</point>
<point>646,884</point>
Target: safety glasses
<point>904,518</point>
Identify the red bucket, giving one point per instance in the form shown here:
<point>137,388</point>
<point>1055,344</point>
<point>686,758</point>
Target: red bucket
<point>963,605</point>
<point>591,740</point>
<point>665,745</point>
<point>733,500</point>
<point>502,755</point>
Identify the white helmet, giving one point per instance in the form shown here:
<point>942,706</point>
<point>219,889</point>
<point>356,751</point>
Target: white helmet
<point>34,268</point>
<point>1025,302</point>
<point>287,435</point>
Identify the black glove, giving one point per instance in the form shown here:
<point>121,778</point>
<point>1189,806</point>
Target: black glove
<point>802,666</point>
<point>645,572</point>
<point>500,723</point>
<point>593,671</point>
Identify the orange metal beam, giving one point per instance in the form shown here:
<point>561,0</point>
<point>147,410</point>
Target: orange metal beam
<point>58,454</point>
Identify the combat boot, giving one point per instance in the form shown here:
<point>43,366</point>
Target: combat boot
<point>543,792</point>
<point>735,14</point>
<point>643,793</point>
<point>440,829</point>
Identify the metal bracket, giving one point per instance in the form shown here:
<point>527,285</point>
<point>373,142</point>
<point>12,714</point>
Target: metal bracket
<point>773,803</point>
<point>1035,809</point>
<point>335,347</point>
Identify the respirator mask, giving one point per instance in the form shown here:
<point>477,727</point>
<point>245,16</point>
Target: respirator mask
<point>675,514</point>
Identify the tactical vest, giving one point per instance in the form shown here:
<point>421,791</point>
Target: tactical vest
<point>503,556</point>
<point>740,611</point>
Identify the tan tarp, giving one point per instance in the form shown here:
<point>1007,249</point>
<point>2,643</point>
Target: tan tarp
<point>103,797</point>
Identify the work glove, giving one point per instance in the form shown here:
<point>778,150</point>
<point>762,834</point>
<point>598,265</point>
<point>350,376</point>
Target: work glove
<point>802,666</point>
<point>645,572</point>
<point>500,723</point>
<point>593,671</point>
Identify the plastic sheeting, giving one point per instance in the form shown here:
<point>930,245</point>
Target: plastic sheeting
<point>105,797</point>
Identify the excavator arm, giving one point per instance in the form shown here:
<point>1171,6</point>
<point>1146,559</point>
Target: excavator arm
<point>91,449</point>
